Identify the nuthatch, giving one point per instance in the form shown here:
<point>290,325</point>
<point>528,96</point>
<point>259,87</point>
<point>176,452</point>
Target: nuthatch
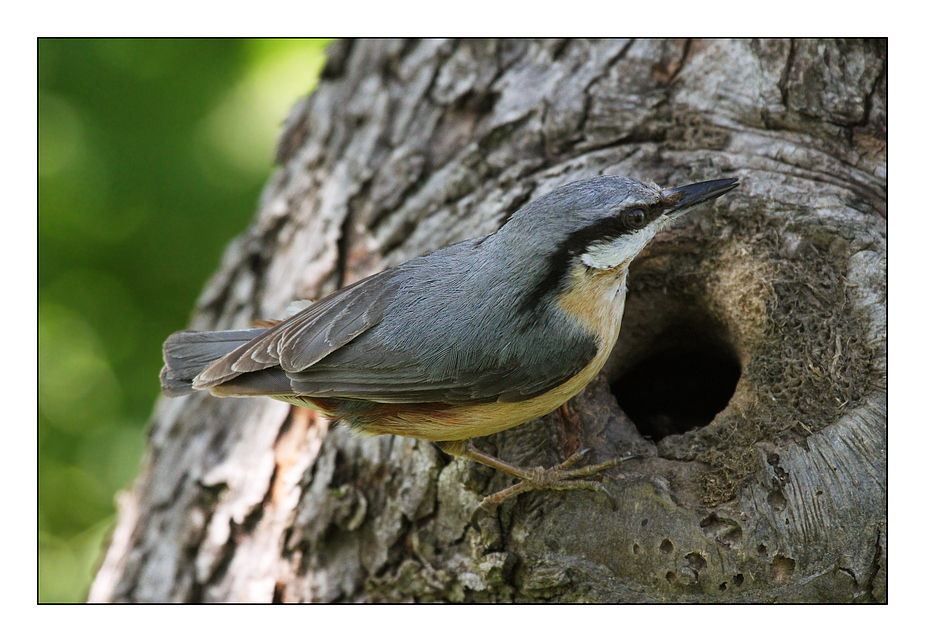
<point>467,341</point>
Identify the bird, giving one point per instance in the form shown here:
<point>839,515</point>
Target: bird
<point>467,341</point>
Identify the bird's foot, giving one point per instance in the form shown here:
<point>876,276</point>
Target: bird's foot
<point>560,477</point>
<point>563,476</point>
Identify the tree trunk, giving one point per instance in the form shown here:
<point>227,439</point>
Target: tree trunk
<point>750,371</point>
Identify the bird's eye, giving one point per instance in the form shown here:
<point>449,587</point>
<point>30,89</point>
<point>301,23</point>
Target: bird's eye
<point>635,218</point>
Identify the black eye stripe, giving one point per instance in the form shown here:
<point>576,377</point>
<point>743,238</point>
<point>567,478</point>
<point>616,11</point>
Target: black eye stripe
<point>576,244</point>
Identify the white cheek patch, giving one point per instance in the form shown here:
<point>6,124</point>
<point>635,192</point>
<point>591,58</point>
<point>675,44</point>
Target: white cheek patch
<point>607,255</point>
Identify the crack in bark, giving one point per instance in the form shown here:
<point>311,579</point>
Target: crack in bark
<point>586,106</point>
<point>869,98</point>
<point>346,231</point>
<point>685,52</point>
<point>784,83</point>
<point>874,567</point>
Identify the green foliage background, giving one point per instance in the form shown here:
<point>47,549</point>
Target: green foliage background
<point>152,154</point>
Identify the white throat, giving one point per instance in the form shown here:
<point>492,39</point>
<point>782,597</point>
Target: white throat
<point>607,255</point>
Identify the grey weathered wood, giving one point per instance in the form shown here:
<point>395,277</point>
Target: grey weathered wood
<point>407,146</point>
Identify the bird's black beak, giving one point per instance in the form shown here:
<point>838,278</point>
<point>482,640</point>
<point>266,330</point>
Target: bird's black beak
<point>682,199</point>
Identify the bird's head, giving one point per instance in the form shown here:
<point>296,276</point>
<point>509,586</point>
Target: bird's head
<point>602,222</point>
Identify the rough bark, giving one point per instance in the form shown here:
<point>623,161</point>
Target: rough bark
<point>777,291</point>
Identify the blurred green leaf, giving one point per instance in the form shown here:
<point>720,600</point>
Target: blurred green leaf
<point>78,390</point>
<point>67,566</point>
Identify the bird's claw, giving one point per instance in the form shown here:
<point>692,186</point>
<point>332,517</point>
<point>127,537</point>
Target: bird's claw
<point>559,477</point>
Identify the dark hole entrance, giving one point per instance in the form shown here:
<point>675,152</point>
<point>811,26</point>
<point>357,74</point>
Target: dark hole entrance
<point>679,384</point>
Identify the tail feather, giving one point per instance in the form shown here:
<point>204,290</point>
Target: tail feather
<point>188,353</point>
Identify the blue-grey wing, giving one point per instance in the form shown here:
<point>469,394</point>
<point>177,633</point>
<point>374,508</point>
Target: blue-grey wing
<point>408,335</point>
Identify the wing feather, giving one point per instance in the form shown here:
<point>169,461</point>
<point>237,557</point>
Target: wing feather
<point>306,337</point>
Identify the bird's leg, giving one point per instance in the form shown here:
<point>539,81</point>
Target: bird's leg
<point>559,477</point>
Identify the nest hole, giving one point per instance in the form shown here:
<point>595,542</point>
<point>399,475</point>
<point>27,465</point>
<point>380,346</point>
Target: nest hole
<point>681,380</point>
